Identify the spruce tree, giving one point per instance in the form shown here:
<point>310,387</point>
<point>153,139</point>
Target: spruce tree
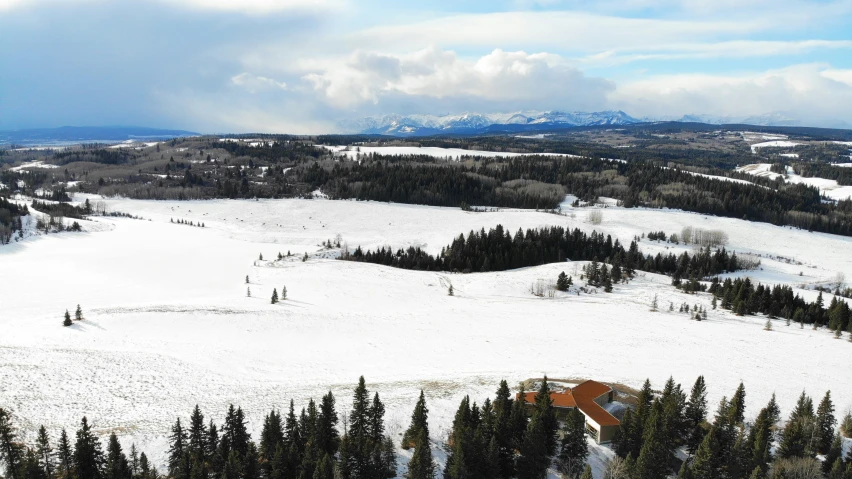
<point>88,455</point>
<point>283,293</point>
<point>562,282</point>
<point>544,409</point>
<point>78,315</point>
<point>419,422</point>
<point>327,436</point>
<point>737,405</point>
<point>116,466</point>
<point>67,321</point>
<point>177,449</point>
<point>274,295</point>
<point>45,453</point>
<point>653,456</point>
<point>450,290</point>
<point>534,458</point>
<point>574,450</point>
<point>824,426</point>
<point>197,437</point>
<point>64,457</point>
<point>11,451</point>
<point>248,292</point>
<point>706,464</point>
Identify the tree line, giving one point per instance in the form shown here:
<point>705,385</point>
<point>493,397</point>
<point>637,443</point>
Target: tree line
<point>499,250</point>
<point>744,298</point>
<point>726,446</point>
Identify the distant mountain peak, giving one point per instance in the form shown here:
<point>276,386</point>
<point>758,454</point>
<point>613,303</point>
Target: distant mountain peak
<point>472,122</point>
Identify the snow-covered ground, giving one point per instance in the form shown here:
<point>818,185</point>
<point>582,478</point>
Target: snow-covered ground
<point>827,187</point>
<point>168,322</point>
<point>33,164</point>
<point>352,152</point>
<point>773,144</point>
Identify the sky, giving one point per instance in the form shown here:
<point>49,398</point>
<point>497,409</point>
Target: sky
<point>301,66</point>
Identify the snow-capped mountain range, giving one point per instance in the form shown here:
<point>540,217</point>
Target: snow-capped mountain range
<point>404,125</point>
<point>528,121</point>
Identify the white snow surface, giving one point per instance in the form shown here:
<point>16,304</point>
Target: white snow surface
<point>773,144</point>
<point>33,164</point>
<point>168,323</point>
<point>432,151</point>
<point>828,188</point>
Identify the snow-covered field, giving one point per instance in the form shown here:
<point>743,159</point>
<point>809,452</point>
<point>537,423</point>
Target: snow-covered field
<point>168,322</point>
<point>352,152</point>
<point>827,187</point>
<point>773,144</point>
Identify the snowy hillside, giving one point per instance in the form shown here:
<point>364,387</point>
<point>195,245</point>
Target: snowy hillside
<point>169,323</point>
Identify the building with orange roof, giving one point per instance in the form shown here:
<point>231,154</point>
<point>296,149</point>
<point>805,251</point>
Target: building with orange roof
<point>589,397</point>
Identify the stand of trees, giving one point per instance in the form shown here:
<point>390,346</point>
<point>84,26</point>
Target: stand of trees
<point>504,438</point>
<point>499,250</point>
<point>744,298</point>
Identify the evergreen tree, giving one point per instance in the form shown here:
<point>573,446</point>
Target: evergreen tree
<point>696,414</point>
<point>325,468</point>
<point>88,456</point>
<point>534,458</point>
<point>419,422</point>
<point>78,315</point>
<point>450,290</point>
<point>562,282</point>
<point>45,453</point>
<point>274,295</point>
<point>574,450</point>
<point>250,463</point>
<point>544,409</point>
<point>824,426</point>
<point>421,465</point>
<point>587,473</point>
<point>133,461</point>
<point>327,436</point>
<point>116,466</point>
<point>653,456</point>
<point>283,293</point>
<point>11,452</point>
<point>64,457</point>
<point>177,450</point>
<point>737,405</point>
<point>706,464</point>
<point>247,279</point>
<point>833,454</point>
<point>67,320</point>
<point>197,438</point>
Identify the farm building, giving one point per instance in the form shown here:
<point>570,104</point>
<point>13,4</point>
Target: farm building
<point>590,397</point>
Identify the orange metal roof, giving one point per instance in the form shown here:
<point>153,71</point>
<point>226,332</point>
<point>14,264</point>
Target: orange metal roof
<point>592,389</point>
<point>583,397</point>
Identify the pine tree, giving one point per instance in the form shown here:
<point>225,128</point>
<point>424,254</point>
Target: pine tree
<point>88,458</point>
<point>11,452</point>
<point>64,457</point>
<point>653,456</point>
<point>824,426</point>
<point>654,303</point>
<point>67,320</point>
<point>833,454</point>
<point>248,292</point>
<point>133,461</point>
<point>544,409</point>
<point>737,405</point>
<point>574,450</point>
<point>768,325</point>
<point>534,459</point>
<point>421,465</point>
<point>177,449</point>
<point>260,257</point>
<point>116,466</point>
<point>283,293</point>
<point>706,464</point>
<point>78,314</point>
<point>419,421</point>
<point>713,302</point>
<point>327,436</point>
<point>450,290</point>
<point>274,295</point>
<point>562,282</point>
<point>247,279</point>
<point>45,453</point>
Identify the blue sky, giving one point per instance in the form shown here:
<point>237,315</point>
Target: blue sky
<point>302,65</point>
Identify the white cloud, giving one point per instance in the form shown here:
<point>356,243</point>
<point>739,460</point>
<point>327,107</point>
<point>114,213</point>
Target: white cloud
<point>727,49</point>
<point>496,78</point>
<point>813,93</point>
<point>256,6</point>
<point>254,83</point>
